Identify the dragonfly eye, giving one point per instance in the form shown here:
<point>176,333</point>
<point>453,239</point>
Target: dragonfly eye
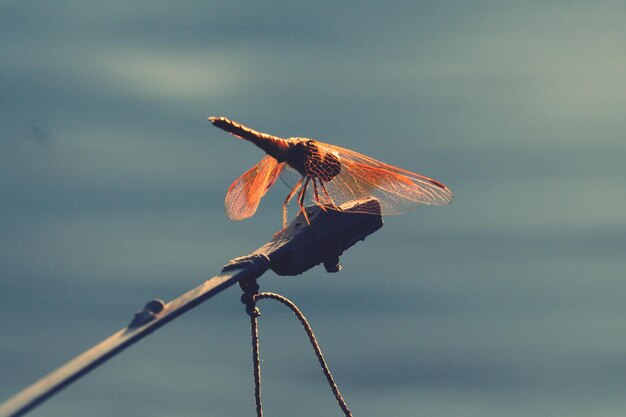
<point>319,164</point>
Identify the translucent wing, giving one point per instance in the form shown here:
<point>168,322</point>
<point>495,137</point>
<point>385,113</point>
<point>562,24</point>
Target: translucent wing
<point>398,190</point>
<point>245,193</point>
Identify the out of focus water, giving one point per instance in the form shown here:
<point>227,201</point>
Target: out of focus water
<point>509,302</point>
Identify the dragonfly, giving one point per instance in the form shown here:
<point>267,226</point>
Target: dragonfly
<point>329,175</point>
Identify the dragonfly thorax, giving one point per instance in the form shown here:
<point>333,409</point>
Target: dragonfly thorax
<point>313,161</point>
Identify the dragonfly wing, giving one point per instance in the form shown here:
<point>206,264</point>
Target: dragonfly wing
<point>245,193</point>
<point>398,190</point>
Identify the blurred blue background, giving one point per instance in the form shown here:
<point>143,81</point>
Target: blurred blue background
<point>509,302</point>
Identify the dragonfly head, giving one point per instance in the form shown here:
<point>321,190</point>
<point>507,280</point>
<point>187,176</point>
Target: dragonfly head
<point>315,161</point>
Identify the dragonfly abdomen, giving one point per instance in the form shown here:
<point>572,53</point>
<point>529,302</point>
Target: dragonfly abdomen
<point>271,145</point>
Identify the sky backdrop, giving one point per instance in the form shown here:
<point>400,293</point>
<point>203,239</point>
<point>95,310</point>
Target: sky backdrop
<point>508,302</point>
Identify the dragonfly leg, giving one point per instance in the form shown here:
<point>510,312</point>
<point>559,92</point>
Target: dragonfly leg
<point>301,199</point>
<point>293,192</point>
<point>327,195</point>
<point>317,196</point>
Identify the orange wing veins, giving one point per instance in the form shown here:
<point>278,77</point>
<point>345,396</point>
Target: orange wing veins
<point>245,193</point>
<point>398,190</point>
